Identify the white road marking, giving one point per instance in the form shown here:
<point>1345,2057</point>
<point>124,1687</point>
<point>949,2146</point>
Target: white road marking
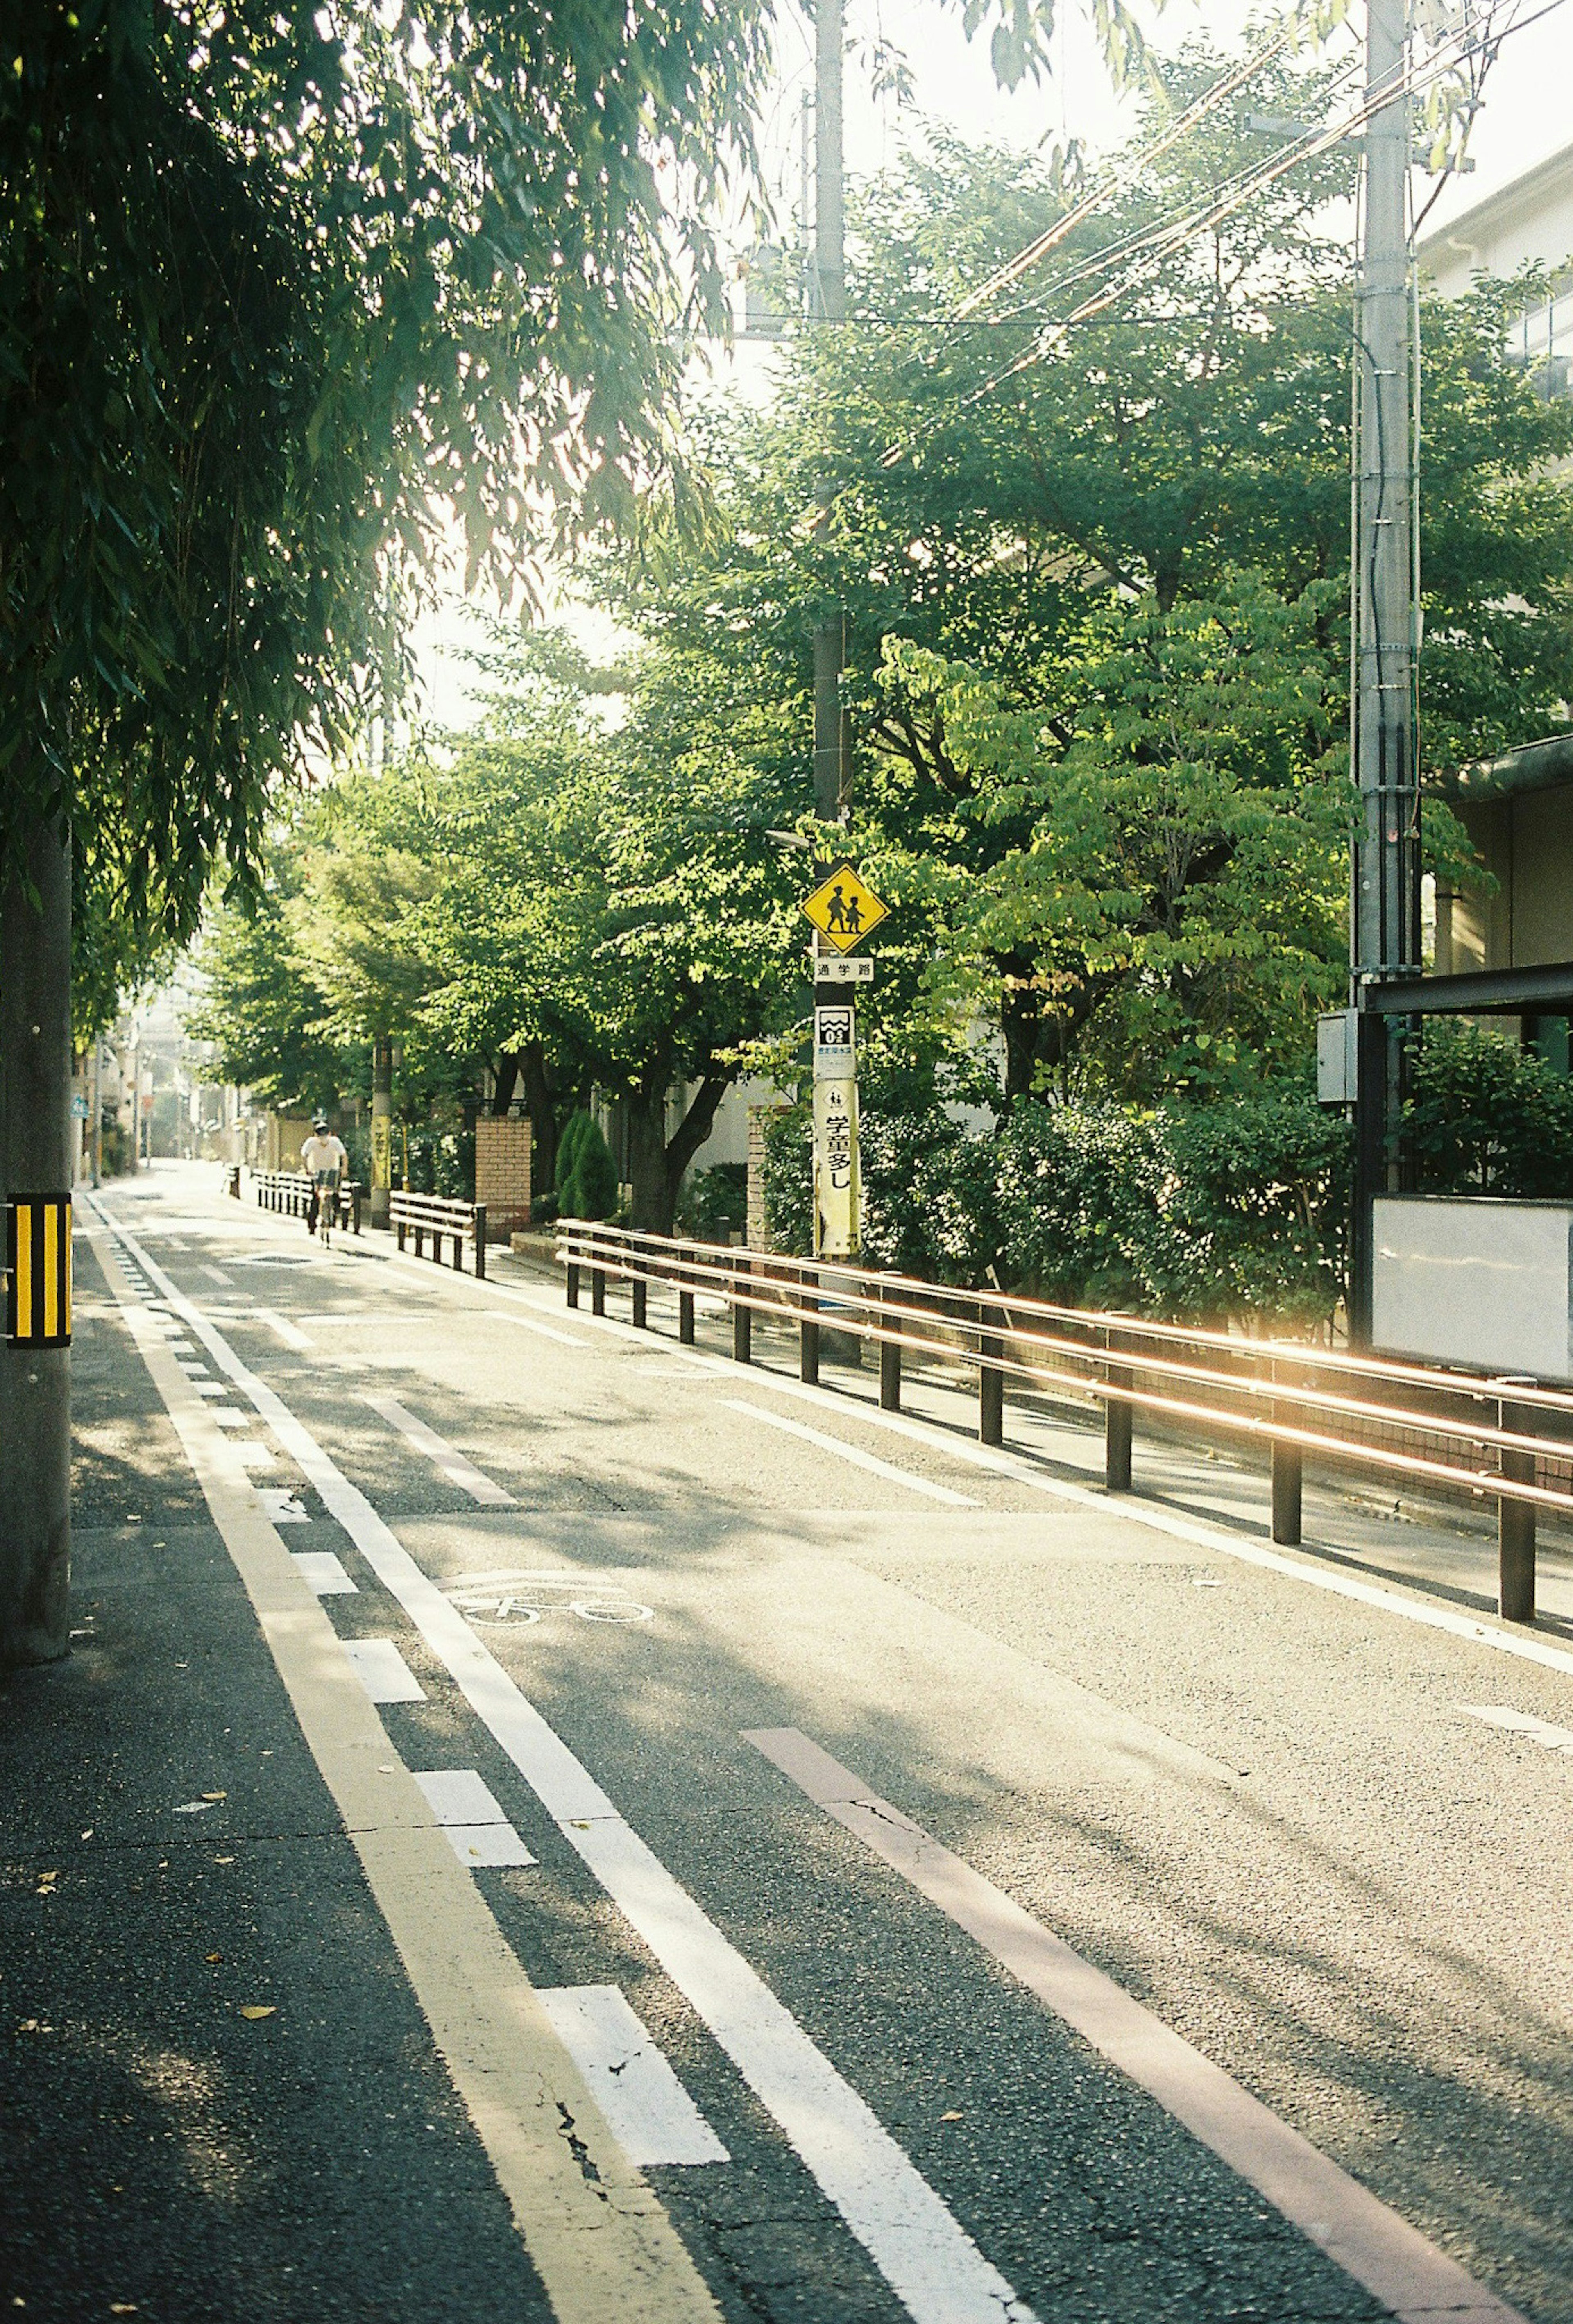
<point>229,1416</point>
<point>281,1504</point>
<point>480,1833</point>
<point>280,1327</point>
<point>1519,1722</point>
<point>445,1456</point>
<point>1415,2281</point>
<point>652,2116</point>
<point>217,1275</point>
<point>855,1455</point>
<point>931,2262</point>
<point>602,2244</point>
<point>546,1331</point>
<point>322,1573</point>
<point>382,1670</point>
<point>1127,1508</point>
<point>253,1455</point>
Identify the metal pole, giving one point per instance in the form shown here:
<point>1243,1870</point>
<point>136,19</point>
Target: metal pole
<point>1385,883</point>
<point>1515,1521</point>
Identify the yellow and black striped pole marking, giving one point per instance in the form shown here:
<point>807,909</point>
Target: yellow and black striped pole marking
<point>38,1271</point>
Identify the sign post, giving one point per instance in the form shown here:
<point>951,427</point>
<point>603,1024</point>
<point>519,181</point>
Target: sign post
<point>843,910</point>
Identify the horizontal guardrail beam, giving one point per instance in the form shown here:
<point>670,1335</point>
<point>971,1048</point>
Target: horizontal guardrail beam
<point>1455,1430</point>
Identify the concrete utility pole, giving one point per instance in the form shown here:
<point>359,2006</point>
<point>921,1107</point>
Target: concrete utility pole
<point>828,304</point>
<point>1385,886</point>
<point>35,1163</point>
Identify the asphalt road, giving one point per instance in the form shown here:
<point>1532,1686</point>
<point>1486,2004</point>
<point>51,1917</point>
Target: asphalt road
<point>1269,1813</point>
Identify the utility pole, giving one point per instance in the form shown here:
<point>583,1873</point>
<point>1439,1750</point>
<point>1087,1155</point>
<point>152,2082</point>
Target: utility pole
<point>828,304</point>
<point>838,1230</point>
<point>1386,883</point>
<point>35,1154</point>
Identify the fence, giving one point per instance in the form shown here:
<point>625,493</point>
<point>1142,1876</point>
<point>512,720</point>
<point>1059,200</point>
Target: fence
<point>436,1215</point>
<point>291,1191</point>
<point>1509,1438</point>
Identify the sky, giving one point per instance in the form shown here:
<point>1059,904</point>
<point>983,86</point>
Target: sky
<point>1523,119</point>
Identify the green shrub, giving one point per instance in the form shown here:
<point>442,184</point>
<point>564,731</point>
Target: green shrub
<point>568,1147</point>
<point>1232,1210</point>
<point>714,1202</point>
<point>1486,1116</point>
<point>592,1191</point>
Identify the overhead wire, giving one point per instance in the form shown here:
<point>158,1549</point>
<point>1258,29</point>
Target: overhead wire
<point>1158,241</point>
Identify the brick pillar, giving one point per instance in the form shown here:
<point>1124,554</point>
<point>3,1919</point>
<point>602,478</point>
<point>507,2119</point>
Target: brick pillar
<point>503,1173</point>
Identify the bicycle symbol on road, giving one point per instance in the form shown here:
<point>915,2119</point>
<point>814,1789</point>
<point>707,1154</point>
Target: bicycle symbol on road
<point>518,1597</point>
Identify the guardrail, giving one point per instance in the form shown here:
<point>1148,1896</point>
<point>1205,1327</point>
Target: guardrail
<point>1509,1438</point>
<point>291,1191</point>
<point>437,1216</point>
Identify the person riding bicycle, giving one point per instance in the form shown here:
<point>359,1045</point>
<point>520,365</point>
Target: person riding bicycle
<point>324,1158</point>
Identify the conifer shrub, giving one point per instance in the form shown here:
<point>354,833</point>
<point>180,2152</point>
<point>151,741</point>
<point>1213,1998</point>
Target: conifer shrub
<point>592,1190</point>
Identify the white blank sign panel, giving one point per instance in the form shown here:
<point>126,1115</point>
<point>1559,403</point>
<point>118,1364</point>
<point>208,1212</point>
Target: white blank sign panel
<point>1467,1280</point>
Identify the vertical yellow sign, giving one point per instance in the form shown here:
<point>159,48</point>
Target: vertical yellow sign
<point>837,1194</point>
<point>382,1150</point>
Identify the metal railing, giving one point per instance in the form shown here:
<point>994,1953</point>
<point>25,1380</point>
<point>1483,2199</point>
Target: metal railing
<point>439,1217</point>
<point>291,1191</point>
<point>1509,1438</point>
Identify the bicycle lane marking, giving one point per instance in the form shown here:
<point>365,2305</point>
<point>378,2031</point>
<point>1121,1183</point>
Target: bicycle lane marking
<point>1397,2264</point>
<point>603,2245</point>
<point>925,2255</point>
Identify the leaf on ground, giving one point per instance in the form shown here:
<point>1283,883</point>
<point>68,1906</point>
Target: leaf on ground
<point>216,1795</point>
<point>213,1957</point>
<point>954,2115</point>
<point>195,1807</point>
<point>253,2010</point>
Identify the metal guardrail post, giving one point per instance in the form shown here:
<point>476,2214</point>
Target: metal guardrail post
<point>807,1327</point>
<point>1287,1478</point>
<point>571,1275</point>
<point>481,1241</point>
<point>597,1290</point>
<point>991,1381</point>
<point>1515,1521</point>
<point>742,1318</point>
<point>685,1318</point>
<point>639,1292</point>
<point>890,1368</point>
<point>1118,1416</point>
<point>1286,1472</point>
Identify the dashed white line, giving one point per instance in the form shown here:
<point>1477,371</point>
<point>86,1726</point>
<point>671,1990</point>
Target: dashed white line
<point>442,1454</point>
<point>853,1454</point>
<point>652,2116</point>
<point>382,1670</point>
<point>920,2247</point>
<point>1519,1722</point>
<point>478,1832</point>
<point>321,1570</point>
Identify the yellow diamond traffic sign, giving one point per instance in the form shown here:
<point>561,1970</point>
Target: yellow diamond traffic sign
<point>844,908</point>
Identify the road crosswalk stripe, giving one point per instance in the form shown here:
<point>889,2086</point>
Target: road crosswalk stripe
<point>1415,2281</point>
<point>919,2246</point>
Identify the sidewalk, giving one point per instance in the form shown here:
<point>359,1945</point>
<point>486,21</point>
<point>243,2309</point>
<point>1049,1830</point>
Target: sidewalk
<point>172,1861</point>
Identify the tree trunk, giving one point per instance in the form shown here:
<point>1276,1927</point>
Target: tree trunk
<point>35,1143</point>
<point>656,1166</point>
<point>547,1107</point>
<point>507,1081</point>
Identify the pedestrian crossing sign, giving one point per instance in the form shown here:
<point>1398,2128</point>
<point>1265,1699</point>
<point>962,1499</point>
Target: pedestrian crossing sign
<point>844,908</point>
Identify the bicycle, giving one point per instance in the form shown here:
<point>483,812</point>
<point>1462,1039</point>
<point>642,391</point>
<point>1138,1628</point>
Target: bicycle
<point>324,1206</point>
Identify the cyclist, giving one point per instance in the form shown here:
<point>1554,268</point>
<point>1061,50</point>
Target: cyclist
<point>324,1160</point>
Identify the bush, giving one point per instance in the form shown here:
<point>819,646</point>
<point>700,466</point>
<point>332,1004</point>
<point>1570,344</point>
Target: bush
<point>714,1202</point>
<point>1486,1116</point>
<point>592,1191</point>
<point>568,1147</point>
<point>1230,1211</point>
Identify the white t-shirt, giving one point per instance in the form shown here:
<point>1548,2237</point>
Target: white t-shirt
<point>327,1153</point>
